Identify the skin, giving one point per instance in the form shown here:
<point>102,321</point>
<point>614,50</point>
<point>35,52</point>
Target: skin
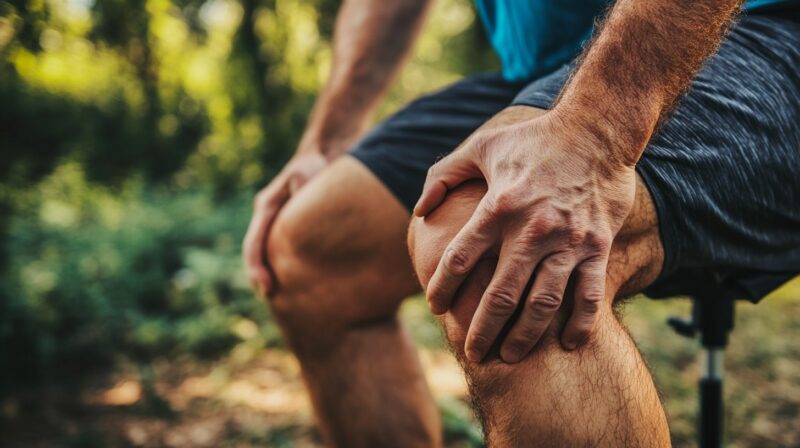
<point>335,269</point>
<point>600,394</point>
<point>341,271</point>
<point>341,274</point>
<point>371,41</point>
<point>561,184</point>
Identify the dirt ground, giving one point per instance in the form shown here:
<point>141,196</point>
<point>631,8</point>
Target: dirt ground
<point>254,397</point>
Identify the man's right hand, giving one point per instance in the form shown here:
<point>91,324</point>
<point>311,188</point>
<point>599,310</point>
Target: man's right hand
<point>370,42</point>
<point>266,206</point>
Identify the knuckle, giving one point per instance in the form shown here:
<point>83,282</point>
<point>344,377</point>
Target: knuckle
<point>559,262</point>
<point>502,204</point>
<point>455,261</point>
<point>545,304</point>
<point>489,207</point>
<point>478,341</point>
<point>590,307</point>
<point>577,236</point>
<point>592,302</point>
<point>597,242</point>
<point>544,224</point>
<point>500,302</point>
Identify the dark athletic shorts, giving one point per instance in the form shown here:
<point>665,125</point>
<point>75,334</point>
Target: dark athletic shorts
<point>723,170</point>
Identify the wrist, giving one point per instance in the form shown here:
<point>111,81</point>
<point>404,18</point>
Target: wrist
<point>330,131</point>
<point>327,145</point>
<point>618,139</point>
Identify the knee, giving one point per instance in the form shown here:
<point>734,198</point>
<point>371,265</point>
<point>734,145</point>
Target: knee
<point>297,252</point>
<point>329,263</point>
<point>428,237</point>
<point>289,249</point>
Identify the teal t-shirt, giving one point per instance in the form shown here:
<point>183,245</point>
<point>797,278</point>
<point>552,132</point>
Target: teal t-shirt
<point>534,37</point>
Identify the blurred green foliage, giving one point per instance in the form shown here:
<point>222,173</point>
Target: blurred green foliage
<point>132,136</point>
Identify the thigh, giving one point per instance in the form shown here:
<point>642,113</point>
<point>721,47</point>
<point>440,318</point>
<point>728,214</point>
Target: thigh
<point>400,150</point>
<point>722,170</point>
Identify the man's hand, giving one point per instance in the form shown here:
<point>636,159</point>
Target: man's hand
<point>266,206</point>
<point>561,185</point>
<point>371,40</point>
<point>553,207</point>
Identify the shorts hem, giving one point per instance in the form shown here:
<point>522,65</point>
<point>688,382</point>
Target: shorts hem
<point>537,101</point>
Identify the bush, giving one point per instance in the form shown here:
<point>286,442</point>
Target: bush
<point>94,275</point>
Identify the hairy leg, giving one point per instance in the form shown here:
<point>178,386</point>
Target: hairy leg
<point>339,256</point>
<point>599,395</point>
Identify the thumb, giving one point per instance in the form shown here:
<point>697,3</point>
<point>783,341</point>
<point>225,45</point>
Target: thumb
<point>445,175</point>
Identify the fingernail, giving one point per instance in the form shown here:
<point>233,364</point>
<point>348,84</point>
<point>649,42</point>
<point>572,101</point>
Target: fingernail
<point>570,345</point>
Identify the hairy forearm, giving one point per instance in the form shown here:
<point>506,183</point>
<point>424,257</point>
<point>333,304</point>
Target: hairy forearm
<point>371,40</point>
<point>642,59</point>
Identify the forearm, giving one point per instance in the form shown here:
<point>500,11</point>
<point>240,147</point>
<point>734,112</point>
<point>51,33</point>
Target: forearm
<point>371,40</point>
<point>642,59</point>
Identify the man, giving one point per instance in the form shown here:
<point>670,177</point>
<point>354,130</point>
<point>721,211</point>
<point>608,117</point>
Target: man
<point>570,188</point>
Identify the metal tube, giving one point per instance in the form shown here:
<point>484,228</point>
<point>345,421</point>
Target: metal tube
<point>713,363</point>
<point>711,407</point>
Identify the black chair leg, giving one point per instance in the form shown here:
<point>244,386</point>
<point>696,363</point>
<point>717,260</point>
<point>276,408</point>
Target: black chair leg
<point>712,317</point>
<point>715,321</point>
<point>710,422</point>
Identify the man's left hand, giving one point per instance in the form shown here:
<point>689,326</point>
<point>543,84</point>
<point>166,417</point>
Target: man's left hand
<point>555,202</point>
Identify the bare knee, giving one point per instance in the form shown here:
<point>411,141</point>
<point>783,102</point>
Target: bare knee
<point>300,243</point>
<point>635,259</point>
<point>336,252</point>
<point>517,400</point>
<point>294,253</point>
<point>428,237</point>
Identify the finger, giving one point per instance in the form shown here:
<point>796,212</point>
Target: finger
<point>501,298</point>
<point>445,175</point>
<point>458,259</point>
<point>542,303</point>
<point>266,208</point>
<point>590,290</point>
<point>257,272</point>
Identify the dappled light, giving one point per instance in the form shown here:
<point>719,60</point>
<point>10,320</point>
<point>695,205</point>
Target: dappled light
<point>133,135</point>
